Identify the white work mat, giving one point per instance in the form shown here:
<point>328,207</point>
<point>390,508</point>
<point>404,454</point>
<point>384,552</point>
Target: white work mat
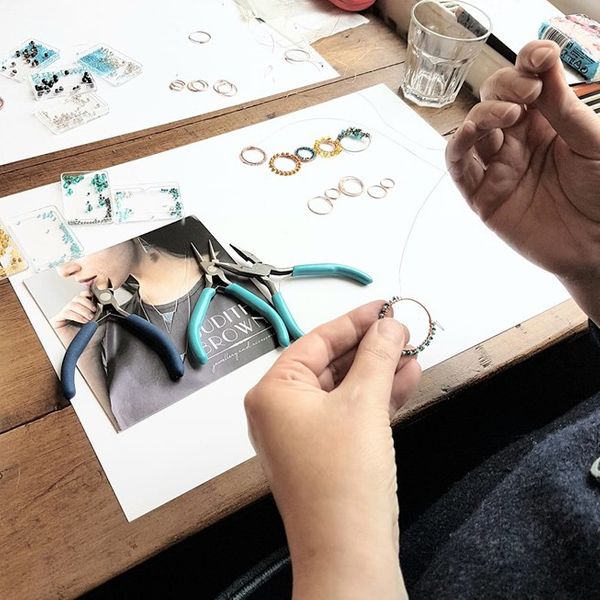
<point>472,283</point>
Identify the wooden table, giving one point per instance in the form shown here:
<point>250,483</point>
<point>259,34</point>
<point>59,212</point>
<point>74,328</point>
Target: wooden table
<point>61,529</point>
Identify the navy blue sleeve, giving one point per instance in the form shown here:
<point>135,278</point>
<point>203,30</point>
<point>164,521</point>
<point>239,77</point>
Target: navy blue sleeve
<point>595,332</point>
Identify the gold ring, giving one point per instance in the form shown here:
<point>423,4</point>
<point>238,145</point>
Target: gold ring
<point>327,141</point>
<point>297,163</point>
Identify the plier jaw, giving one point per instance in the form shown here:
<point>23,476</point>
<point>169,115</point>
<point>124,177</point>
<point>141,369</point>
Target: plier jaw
<point>211,268</point>
<point>104,299</point>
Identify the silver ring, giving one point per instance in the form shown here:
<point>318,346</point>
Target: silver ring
<point>382,193</point>
<point>348,148</point>
<point>177,85</point>
<point>1,103</point>
<point>300,55</point>
<point>225,88</point>
<point>316,211</point>
<point>253,149</point>
<point>350,179</point>
<point>387,183</point>
<point>200,37</point>
<point>197,85</point>
<point>332,193</point>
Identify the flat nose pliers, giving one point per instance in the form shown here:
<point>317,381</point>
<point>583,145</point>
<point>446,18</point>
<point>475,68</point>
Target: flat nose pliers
<point>108,308</point>
<point>215,278</point>
<point>262,272</point>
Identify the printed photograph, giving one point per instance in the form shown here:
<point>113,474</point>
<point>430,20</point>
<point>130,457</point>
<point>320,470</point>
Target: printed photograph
<point>157,277</point>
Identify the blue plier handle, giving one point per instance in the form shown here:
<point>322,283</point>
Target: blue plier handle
<point>212,274</point>
<point>263,272</point>
<point>144,330</point>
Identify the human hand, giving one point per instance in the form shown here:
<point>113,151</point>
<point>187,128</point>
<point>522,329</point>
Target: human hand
<point>320,423</point>
<point>81,309</point>
<point>527,159</point>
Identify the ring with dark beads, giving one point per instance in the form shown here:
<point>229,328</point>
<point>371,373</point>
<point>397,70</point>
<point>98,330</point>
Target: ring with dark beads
<point>432,324</point>
<point>305,153</point>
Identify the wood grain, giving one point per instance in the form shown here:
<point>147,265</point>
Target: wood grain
<point>61,529</point>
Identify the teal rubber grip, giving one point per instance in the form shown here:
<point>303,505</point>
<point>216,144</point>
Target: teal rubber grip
<point>286,316</point>
<point>263,309</point>
<point>196,322</point>
<point>332,270</point>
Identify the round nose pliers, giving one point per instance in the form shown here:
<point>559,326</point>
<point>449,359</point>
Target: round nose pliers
<point>216,279</point>
<point>262,272</point>
<point>109,309</point>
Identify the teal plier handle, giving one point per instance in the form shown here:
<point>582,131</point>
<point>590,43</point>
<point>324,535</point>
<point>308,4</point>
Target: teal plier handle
<point>242,294</point>
<point>332,270</point>
<point>316,270</point>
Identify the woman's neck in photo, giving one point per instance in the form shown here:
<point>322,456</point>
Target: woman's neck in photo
<point>163,278</point>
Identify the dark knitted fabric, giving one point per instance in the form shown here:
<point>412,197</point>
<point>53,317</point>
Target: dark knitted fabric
<point>525,524</point>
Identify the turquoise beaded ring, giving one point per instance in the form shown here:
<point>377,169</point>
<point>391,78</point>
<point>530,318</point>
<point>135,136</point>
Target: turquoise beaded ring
<point>432,325</point>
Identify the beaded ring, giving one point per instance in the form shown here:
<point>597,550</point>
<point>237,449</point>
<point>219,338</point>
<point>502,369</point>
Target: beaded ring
<point>343,186</point>
<point>432,325</point>
<point>225,88</point>
<point>387,183</point>
<point>285,172</point>
<point>200,37</point>
<point>305,153</point>
<point>177,85</point>
<point>316,211</point>
<point>336,148</point>
<point>253,163</point>
<point>377,191</point>
<point>354,133</point>
<point>332,193</point>
<point>197,85</point>
<point>301,55</point>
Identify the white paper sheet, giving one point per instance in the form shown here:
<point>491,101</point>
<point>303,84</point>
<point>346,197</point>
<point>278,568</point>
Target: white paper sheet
<point>474,286</point>
<point>302,20</point>
<point>155,33</point>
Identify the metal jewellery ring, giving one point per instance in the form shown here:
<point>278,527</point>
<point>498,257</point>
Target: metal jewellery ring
<point>177,85</point>
<point>200,37</point>
<point>288,156</point>
<point>225,88</point>
<point>296,55</point>
<point>387,183</point>
<point>197,85</point>
<point>317,210</point>
<point>253,163</point>
<point>332,193</point>
<point>305,153</point>
<point>350,179</point>
<point>432,324</point>
<point>335,146</point>
<point>377,191</point>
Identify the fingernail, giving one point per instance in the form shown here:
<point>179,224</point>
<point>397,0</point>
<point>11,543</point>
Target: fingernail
<point>539,55</point>
<point>391,330</point>
<point>524,87</point>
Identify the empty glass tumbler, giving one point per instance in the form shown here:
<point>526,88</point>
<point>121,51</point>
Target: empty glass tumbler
<point>444,38</point>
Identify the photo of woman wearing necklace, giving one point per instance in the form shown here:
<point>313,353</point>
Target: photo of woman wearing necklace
<point>155,277</point>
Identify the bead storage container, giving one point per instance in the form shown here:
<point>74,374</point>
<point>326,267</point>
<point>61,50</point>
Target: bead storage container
<point>153,202</point>
<point>110,64</point>
<point>12,260</point>
<point>66,81</point>
<point>47,237</point>
<point>26,58</point>
<point>86,197</point>
<point>63,114</point>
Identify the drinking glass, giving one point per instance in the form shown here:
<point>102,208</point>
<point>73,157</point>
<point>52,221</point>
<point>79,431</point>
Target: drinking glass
<point>444,38</point>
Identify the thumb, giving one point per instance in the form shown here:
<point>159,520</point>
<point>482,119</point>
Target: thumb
<point>573,120</point>
<point>376,360</point>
